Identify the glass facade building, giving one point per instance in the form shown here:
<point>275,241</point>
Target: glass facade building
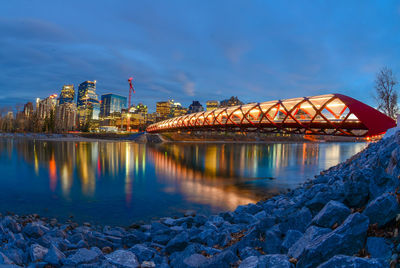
<point>67,94</point>
<point>87,94</point>
<point>111,103</point>
<point>88,103</point>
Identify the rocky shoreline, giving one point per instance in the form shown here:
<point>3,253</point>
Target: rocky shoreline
<point>346,216</point>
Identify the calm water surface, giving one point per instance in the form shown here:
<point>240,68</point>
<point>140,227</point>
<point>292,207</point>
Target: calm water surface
<point>119,183</point>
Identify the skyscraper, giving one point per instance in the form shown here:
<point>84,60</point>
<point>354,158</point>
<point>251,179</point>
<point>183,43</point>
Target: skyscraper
<point>111,104</point>
<point>163,109</point>
<point>67,94</point>
<point>47,106</point>
<point>88,103</point>
<point>87,93</point>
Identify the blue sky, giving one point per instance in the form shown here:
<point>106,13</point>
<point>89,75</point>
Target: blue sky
<point>197,50</point>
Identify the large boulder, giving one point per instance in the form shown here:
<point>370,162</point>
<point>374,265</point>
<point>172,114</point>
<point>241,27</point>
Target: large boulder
<point>35,230</point>
<point>250,262</point>
<point>347,239</point>
<point>333,212</point>
<point>356,187</point>
<point>16,255</point>
<point>311,233</point>
<point>275,261</point>
<point>297,221</point>
<point>123,259</point>
<point>292,236</point>
<point>273,242</point>
<point>142,252</point>
<point>178,243</point>
<point>11,224</point>
<point>382,209</point>
<point>4,259</point>
<point>379,247</point>
<point>54,256</point>
<point>37,252</point>
<point>350,261</point>
<point>133,238</point>
<point>81,256</point>
<point>195,260</point>
<point>224,259</point>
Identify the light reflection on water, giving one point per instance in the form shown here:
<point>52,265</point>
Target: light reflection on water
<point>123,182</point>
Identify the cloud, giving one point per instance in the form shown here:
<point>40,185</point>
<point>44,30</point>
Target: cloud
<point>193,50</point>
<point>187,85</point>
<point>33,29</point>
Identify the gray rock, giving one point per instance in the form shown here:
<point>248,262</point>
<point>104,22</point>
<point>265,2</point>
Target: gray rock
<point>274,261</point>
<point>292,236</point>
<point>379,247</point>
<point>350,261</point>
<point>4,259</point>
<point>333,212</point>
<point>311,233</point>
<point>54,256</point>
<point>34,230</point>
<point>356,188</point>
<point>346,239</point>
<point>37,252</point>
<point>297,221</point>
<point>249,262</point>
<point>142,252</point>
<point>273,243</point>
<point>133,238</point>
<point>82,255</point>
<point>195,260</point>
<point>123,259</point>
<point>148,264</point>
<point>11,224</point>
<point>224,259</point>
<point>75,238</point>
<point>178,243</point>
<point>162,239</point>
<point>16,255</point>
<point>383,209</point>
<point>244,217</point>
<point>247,252</point>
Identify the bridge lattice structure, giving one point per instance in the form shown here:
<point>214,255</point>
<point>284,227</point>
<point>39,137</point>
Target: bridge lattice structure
<point>332,114</point>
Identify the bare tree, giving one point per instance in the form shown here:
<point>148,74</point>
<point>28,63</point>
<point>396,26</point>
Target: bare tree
<point>386,94</point>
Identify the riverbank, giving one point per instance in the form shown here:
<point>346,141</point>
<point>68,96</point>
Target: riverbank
<point>345,216</point>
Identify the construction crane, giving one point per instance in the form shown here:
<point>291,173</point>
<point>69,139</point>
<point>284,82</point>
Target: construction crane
<point>131,90</point>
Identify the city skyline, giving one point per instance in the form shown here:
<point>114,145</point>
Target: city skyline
<point>197,51</point>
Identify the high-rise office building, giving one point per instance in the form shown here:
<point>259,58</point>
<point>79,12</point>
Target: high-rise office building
<point>88,103</point>
<point>28,109</point>
<point>212,105</point>
<point>163,109</point>
<point>195,107</point>
<point>87,93</point>
<point>67,94</point>
<point>66,116</point>
<point>112,104</point>
<point>47,106</point>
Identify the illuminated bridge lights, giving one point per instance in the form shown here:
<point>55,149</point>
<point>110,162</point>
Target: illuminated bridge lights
<point>332,114</point>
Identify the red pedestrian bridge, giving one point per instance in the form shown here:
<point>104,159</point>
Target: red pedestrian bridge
<point>332,114</point>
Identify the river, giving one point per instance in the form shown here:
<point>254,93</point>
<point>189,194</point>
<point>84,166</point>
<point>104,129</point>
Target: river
<point>119,183</point>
